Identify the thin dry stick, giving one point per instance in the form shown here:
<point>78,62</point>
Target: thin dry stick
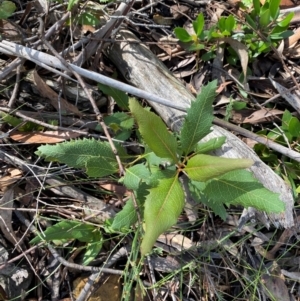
<point>7,47</point>
<point>8,69</point>
<point>85,292</point>
<point>20,255</point>
<point>44,124</point>
<point>152,276</point>
<point>17,85</point>
<point>86,90</point>
<point>105,210</point>
<point>82,267</point>
<point>269,143</point>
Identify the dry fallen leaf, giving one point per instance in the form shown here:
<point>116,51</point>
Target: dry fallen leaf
<point>11,31</point>
<point>176,241</point>
<point>178,11</point>
<point>262,115</point>
<point>47,92</point>
<point>275,287</point>
<point>14,175</point>
<point>291,98</point>
<point>5,216</point>
<point>241,51</point>
<point>44,137</point>
<point>109,290</point>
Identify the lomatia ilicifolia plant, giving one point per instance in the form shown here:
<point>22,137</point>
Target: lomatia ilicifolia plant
<point>158,192</point>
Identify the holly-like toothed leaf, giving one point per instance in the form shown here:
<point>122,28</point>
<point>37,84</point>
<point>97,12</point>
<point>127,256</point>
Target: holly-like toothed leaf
<point>205,167</point>
<point>99,167</point>
<point>121,119</point>
<point>67,230</point>
<point>241,188</point>
<point>154,132</point>
<point>125,218</point>
<point>198,120</point>
<point>93,248</point>
<point>210,145</point>
<point>134,175</point>
<point>157,174</point>
<point>120,97</point>
<point>196,189</point>
<point>77,153</point>
<point>163,205</point>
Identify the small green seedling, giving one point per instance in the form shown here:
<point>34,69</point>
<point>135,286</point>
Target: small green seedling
<point>288,135</point>
<point>262,29</point>
<point>154,176</point>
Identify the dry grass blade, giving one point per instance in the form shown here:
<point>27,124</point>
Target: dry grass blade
<point>6,216</point>
<point>59,103</point>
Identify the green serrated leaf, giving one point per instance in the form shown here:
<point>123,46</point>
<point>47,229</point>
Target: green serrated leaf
<point>66,230</point>
<point>204,167</point>
<point>92,249</point>
<point>120,97</point>
<point>98,167</point>
<point>196,189</point>
<point>182,35</point>
<point>11,120</point>
<point>125,218</point>
<point>123,135</point>
<point>77,153</point>
<point>7,8</point>
<point>152,158</point>
<point>122,119</point>
<point>241,188</point>
<point>198,120</point>
<point>162,207</point>
<point>134,175</point>
<point>154,132</point>
<point>157,174</point>
<point>210,145</point>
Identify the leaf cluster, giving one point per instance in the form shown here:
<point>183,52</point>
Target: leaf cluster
<point>288,135</point>
<point>263,28</point>
<point>154,177</point>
